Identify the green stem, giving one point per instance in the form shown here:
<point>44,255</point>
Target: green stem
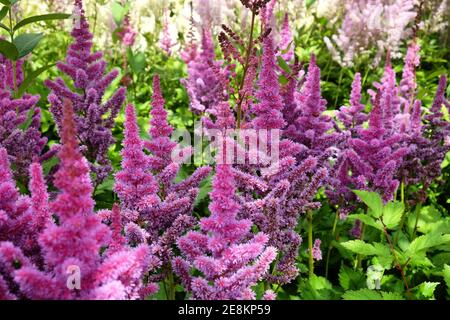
<point>418,209</point>
<point>359,257</point>
<point>310,244</point>
<point>169,284</point>
<point>402,221</point>
<point>330,247</point>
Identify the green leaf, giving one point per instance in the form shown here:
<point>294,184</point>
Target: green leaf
<point>9,50</point>
<point>362,294</point>
<point>350,279</point>
<point>283,64</point>
<point>427,241</point>
<point>425,290</point>
<point>392,214</point>
<point>360,247</point>
<point>26,42</point>
<point>368,220</point>
<point>31,78</point>
<point>367,294</point>
<point>118,12</point>
<point>3,26</point>
<point>5,2</point>
<point>137,62</point>
<point>282,80</point>
<point>3,12</point>
<point>49,164</point>
<point>44,17</point>
<point>446,274</point>
<point>25,125</point>
<point>372,200</point>
<point>391,296</point>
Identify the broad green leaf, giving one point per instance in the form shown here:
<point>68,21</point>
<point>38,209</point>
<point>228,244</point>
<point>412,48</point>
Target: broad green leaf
<point>138,62</point>
<point>31,78</point>
<point>391,296</point>
<point>392,214</point>
<point>9,50</point>
<point>26,42</point>
<point>49,164</point>
<point>359,247</point>
<point>425,290</point>
<point>372,200</point>
<point>427,241</point>
<point>283,65</point>
<point>26,124</point>
<point>282,80</point>
<point>367,294</point>
<point>118,12</point>
<point>368,220</point>
<point>362,294</point>
<point>44,17</point>
<point>5,2</point>
<point>316,288</point>
<point>3,12</point>
<point>350,279</point>
<point>446,274</point>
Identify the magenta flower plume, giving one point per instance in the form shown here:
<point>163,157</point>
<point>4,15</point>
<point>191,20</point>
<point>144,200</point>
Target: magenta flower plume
<point>74,268</point>
<point>20,121</point>
<point>127,34</point>
<point>165,42</point>
<point>268,110</point>
<point>230,258</point>
<point>408,83</point>
<point>353,116</point>
<point>160,144</point>
<point>312,125</point>
<point>286,44</point>
<point>204,83</point>
<point>95,117</point>
<point>135,184</point>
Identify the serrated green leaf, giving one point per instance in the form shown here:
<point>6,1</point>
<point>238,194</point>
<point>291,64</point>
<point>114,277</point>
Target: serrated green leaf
<point>425,290</point>
<point>391,296</point>
<point>9,50</point>
<point>427,241</point>
<point>392,214</point>
<point>362,294</point>
<point>25,43</point>
<point>43,17</point>
<point>367,294</point>
<point>368,220</point>
<point>446,275</point>
<point>372,200</point>
<point>350,279</point>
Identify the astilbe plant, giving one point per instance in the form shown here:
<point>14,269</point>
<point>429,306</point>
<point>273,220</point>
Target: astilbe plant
<point>157,209</point>
<point>273,195</point>
<point>204,72</point>
<point>94,117</point>
<point>20,121</point>
<point>71,246</point>
<point>231,259</point>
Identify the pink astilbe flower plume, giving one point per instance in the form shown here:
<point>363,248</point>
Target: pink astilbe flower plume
<point>94,117</point>
<point>286,45</point>
<point>204,85</point>
<point>71,248</point>
<point>20,121</point>
<point>229,257</point>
